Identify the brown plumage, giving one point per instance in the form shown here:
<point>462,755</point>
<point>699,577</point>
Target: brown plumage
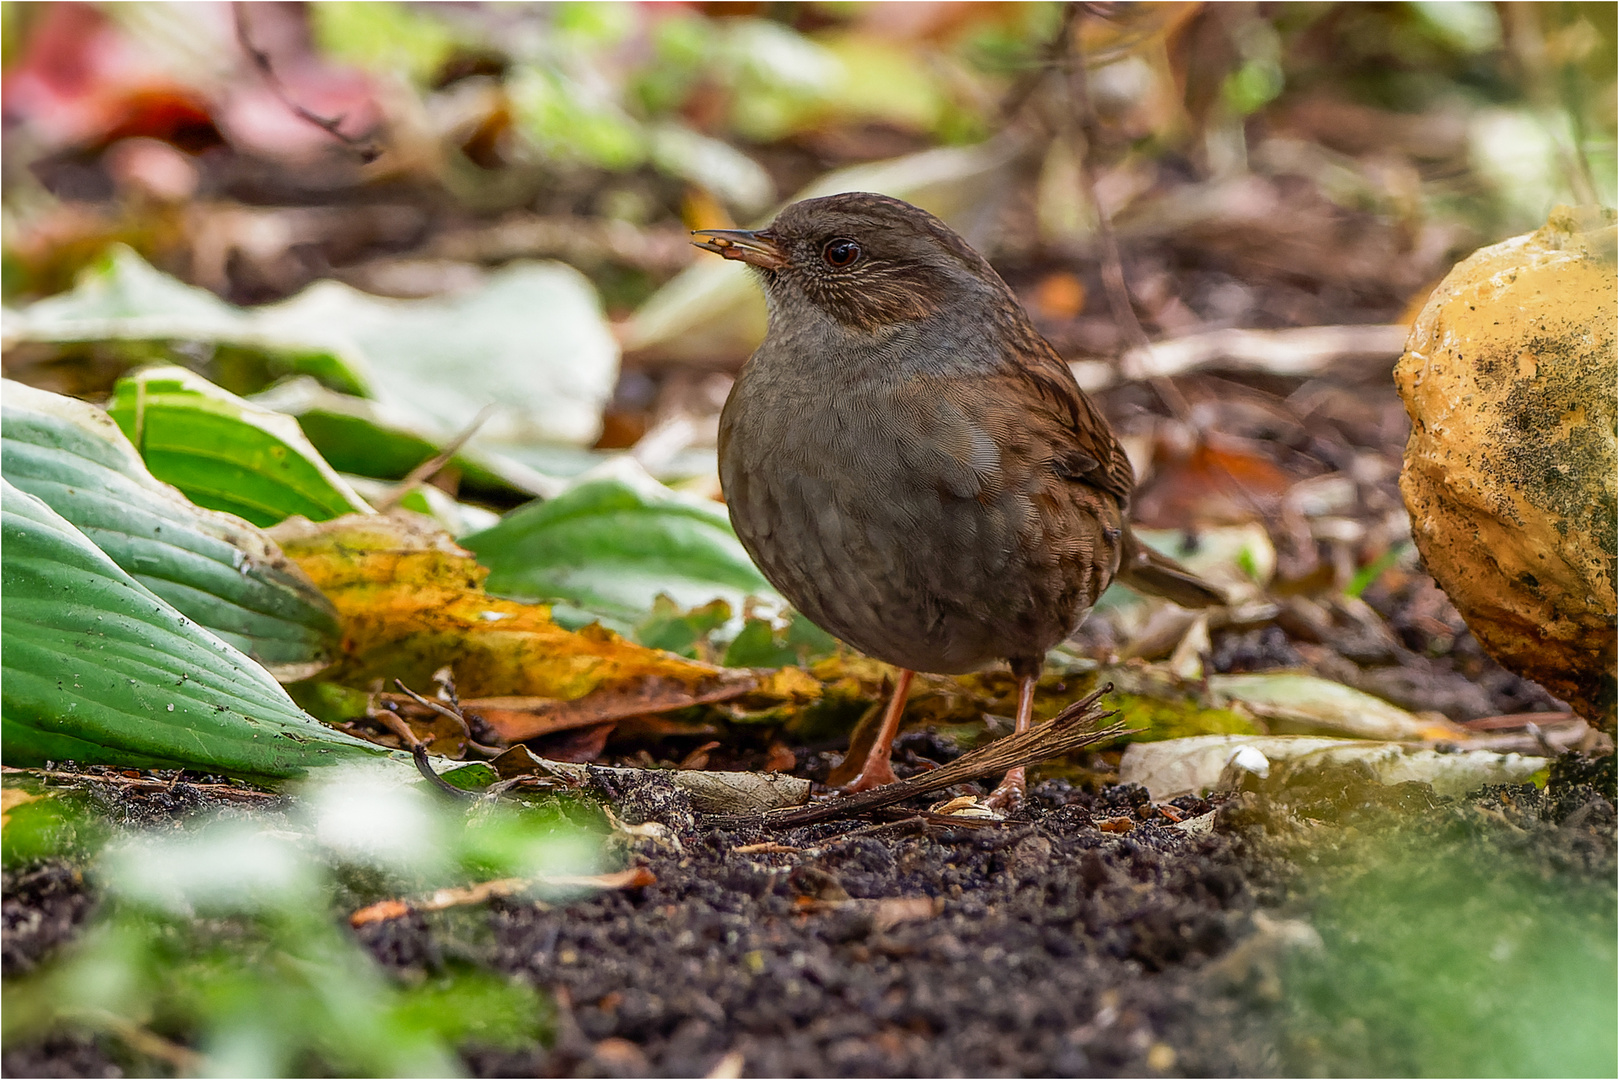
<point>911,463</point>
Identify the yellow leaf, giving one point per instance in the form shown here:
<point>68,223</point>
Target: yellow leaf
<point>789,684</point>
<point>10,799</point>
<point>412,601</point>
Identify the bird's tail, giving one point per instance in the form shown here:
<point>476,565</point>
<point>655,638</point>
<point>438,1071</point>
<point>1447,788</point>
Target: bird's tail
<point>1144,570</point>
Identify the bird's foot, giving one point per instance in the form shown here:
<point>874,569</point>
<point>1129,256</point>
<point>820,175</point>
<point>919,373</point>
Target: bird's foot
<point>1009,796</point>
<point>876,773</point>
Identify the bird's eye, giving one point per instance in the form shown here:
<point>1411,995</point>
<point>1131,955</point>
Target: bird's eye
<point>840,253</point>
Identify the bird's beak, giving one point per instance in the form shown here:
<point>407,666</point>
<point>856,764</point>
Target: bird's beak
<point>754,248</point>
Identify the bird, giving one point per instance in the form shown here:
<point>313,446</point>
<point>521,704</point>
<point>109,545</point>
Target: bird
<point>912,465</point>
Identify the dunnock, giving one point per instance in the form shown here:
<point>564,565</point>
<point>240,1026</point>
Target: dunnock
<point>910,462</point>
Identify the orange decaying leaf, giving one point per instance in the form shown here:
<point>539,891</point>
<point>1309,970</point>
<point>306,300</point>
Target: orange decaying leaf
<point>411,601</point>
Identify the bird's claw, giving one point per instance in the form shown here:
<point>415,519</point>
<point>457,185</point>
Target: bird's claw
<point>1009,795</point>
<point>875,774</point>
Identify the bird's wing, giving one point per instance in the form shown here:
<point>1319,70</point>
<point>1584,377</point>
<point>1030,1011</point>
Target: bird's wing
<point>1082,445</point>
<point>1004,429</point>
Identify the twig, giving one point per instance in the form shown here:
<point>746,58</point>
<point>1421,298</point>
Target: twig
<point>1069,730</point>
<point>1050,59</point>
<point>144,1041</point>
<point>1118,292</point>
<point>444,679</point>
<point>1113,280</point>
<point>1297,350</point>
<point>1528,41</point>
<point>367,149</point>
<point>1517,721</point>
<point>637,877</point>
<point>453,712</point>
<point>768,848</point>
<point>1542,741</point>
<point>140,416</point>
<point>911,822</point>
<point>418,751</point>
<point>435,464</point>
<point>143,783</point>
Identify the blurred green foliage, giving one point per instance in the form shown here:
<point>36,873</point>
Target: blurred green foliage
<point>224,937</point>
<point>1441,961</point>
<point>385,36</point>
<point>51,824</point>
<point>590,83</point>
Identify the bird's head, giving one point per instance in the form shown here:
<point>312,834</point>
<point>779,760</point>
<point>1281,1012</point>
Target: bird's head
<point>869,261</point>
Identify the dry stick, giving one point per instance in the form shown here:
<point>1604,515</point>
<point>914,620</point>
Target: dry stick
<point>225,792</point>
<point>418,750</point>
<point>1544,743</point>
<point>453,713</point>
<point>1069,730</point>
<point>144,1041</point>
<point>444,679</point>
<point>1113,281</point>
<point>367,150</point>
<point>636,877</point>
<point>430,468</point>
<point>1050,58</point>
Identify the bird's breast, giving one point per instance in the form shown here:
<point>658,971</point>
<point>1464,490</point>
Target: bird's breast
<point>884,513</point>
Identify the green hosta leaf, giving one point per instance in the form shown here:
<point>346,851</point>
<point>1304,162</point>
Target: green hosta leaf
<point>531,339</point>
<point>97,669</point>
<point>123,313</point>
<point>225,453</point>
<point>215,569</point>
<point>613,543</point>
<point>368,438</point>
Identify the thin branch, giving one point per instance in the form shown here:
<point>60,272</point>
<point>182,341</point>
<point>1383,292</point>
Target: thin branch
<point>1051,58</point>
<point>1528,38</point>
<point>1112,268</point>
<point>636,877</point>
<point>430,468</point>
<point>144,1041</point>
<point>418,751</point>
<point>332,125</point>
<point>224,792</point>
<point>452,712</point>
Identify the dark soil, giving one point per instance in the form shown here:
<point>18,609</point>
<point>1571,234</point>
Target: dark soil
<point>1042,946</point>
<point>1087,936</point>
<point>43,906</point>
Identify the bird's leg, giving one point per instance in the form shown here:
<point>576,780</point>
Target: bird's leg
<point>1010,792</point>
<point>877,771</point>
